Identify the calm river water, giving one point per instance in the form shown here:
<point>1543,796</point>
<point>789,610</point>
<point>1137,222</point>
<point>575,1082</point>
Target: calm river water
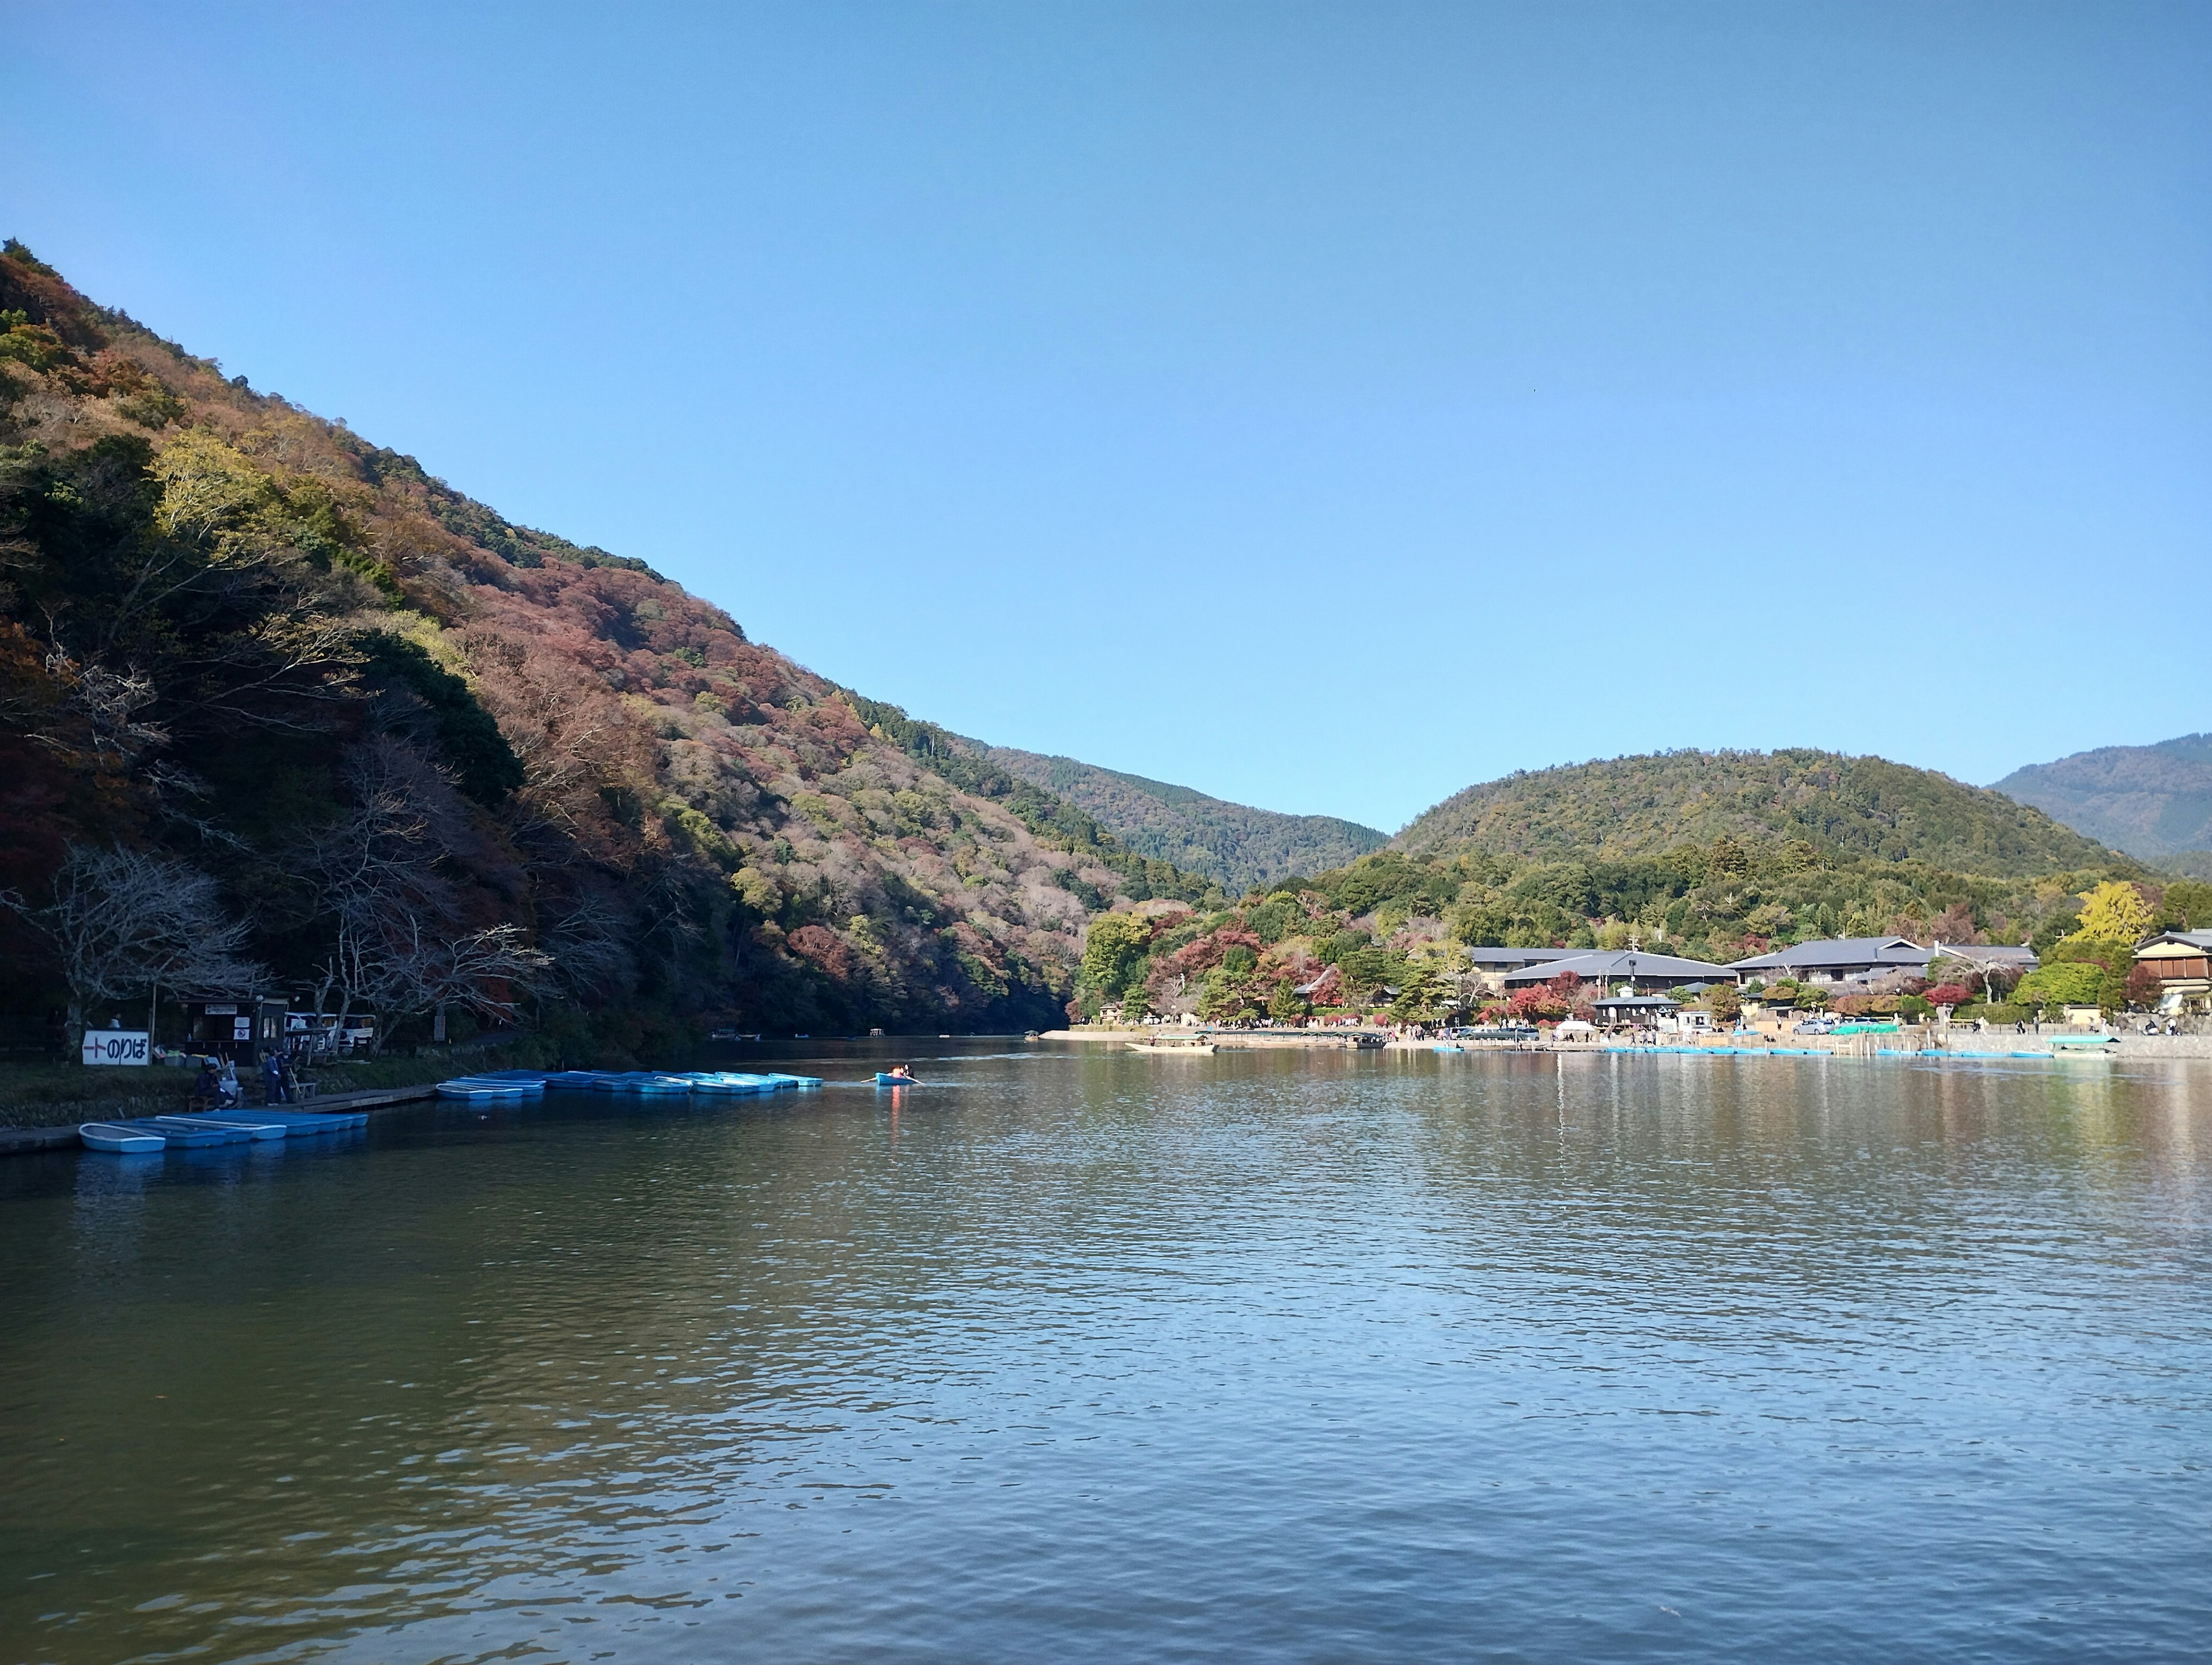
<point>1112,1358</point>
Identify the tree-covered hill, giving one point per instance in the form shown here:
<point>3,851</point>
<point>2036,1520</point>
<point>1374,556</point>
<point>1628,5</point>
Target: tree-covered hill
<point>1241,847</point>
<point>433,758</point>
<point>2152,801</point>
<point>1842,808</point>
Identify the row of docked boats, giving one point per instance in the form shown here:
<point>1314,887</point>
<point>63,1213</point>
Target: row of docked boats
<point>147,1135</point>
<point>510,1084</point>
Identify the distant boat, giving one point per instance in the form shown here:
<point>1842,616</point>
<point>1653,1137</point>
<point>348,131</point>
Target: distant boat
<point>883,1080</point>
<point>1171,1046</point>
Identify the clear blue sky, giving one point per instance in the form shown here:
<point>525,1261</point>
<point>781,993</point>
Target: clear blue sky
<point>1326,407</point>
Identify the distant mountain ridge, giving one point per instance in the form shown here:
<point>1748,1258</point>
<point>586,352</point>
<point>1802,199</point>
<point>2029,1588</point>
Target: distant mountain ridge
<point>2152,801</point>
<point>1243,847</point>
<point>1845,807</point>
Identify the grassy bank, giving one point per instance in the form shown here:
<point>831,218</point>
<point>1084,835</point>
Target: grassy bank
<point>41,1095</point>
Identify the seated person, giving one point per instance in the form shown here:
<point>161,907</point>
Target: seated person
<point>207,1088</point>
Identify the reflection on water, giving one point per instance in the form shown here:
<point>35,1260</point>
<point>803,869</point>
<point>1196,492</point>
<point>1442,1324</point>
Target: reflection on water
<point>1313,1357</point>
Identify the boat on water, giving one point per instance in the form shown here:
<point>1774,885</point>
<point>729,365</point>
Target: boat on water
<point>120,1138</point>
<point>651,1083</point>
<point>1190,1047</point>
<point>883,1079</point>
<point>486,1087</point>
<point>177,1134</point>
<point>296,1124</point>
<point>245,1124</point>
<point>2084,1046</point>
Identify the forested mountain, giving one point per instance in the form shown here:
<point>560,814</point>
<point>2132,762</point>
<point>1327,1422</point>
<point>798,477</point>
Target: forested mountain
<point>1241,847</point>
<point>1712,857</point>
<point>432,758</point>
<point>1842,808</point>
<point>2152,801</point>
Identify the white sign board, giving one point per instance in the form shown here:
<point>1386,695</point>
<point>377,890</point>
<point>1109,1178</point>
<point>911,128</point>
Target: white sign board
<point>116,1046</point>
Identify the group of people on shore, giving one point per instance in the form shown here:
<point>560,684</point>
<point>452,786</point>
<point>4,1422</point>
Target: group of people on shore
<point>217,1087</point>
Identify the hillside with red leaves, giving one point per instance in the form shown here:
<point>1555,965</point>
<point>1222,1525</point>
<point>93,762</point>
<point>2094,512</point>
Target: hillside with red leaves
<point>242,636</point>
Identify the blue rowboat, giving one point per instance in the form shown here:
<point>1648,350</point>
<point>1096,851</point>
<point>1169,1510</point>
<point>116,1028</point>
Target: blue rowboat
<point>222,1132</point>
<point>120,1139</point>
<point>724,1081</point>
<point>782,1080</point>
<point>650,1082</point>
<point>574,1080</point>
<point>478,1086</point>
<point>299,1122</point>
<point>253,1127</point>
<point>177,1135</point>
<point>883,1080</point>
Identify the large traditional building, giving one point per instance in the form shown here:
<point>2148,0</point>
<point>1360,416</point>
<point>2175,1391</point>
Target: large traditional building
<point>2183,960</point>
<point>1489,965</point>
<point>1839,960</point>
<point>1639,970</point>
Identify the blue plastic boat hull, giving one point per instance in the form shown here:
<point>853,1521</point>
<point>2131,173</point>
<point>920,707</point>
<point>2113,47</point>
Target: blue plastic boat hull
<point>118,1139</point>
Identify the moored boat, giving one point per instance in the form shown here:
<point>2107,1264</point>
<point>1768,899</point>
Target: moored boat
<point>485,1086</point>
<point>245,1122</point>
<point>120,1138</point>
<point>221,1133</point>
<point>297,1123</point>
<point>179,1136</point>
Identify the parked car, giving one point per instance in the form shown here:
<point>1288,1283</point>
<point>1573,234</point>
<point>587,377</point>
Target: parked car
<point>1816,1026</point>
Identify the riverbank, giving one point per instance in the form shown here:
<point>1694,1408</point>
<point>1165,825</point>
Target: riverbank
<point>63,1136</point>
<point>49,1094</point>
<point>1923,1040</point>
<point>1234,1040</point>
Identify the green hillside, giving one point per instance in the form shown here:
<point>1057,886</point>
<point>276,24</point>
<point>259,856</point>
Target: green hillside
<point>402,754</point>
<point>1843,808</point>
<point>2152,801</point>
<point>1242,847</point>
